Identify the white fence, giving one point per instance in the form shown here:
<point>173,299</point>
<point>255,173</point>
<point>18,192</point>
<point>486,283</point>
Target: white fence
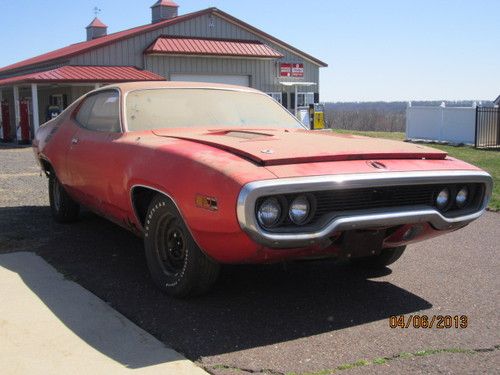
<point>441,124</point>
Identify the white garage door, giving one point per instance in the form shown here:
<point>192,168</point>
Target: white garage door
<point>227,79</point>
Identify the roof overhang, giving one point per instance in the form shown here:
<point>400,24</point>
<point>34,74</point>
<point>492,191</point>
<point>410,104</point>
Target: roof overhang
<point>214,47</point>
<point>84,74</point>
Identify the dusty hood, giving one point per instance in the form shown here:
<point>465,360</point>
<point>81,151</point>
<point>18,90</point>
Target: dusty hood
<point>276,147</point>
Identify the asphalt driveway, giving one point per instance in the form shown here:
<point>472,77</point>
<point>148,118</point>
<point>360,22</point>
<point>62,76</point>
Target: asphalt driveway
<point>298,317</point>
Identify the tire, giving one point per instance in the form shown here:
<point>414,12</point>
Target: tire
<point>176,263</point>
<point>385,258</point>
<point>64,209</point>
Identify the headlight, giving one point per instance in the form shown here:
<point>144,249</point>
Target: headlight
<point>462,197</point>
<point>443,199</point>
<point>299,210</point>
<point>269,212</point>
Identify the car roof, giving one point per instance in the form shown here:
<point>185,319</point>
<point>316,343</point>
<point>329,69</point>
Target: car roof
<point>145,85</point>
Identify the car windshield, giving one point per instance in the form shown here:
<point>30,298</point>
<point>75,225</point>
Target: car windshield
<point>201,108</point>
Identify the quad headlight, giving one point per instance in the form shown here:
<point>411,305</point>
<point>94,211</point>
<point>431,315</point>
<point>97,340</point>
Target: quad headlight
<point>462,197</point>
<point>443,198</point>
<point>269,212</point>
<point>299,210</point>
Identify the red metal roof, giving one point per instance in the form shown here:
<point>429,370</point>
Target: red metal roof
<point>88,74</point>
<point>165,3</point>
<point>96,23</point>
<point>78,48</point>
<point>211,47</point>
<point>75,49</point>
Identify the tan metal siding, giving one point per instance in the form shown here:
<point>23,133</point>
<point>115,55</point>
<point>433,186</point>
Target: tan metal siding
<point>263,72</point>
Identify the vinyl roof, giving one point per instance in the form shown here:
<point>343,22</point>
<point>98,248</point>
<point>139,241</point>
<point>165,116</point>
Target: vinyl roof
<point>211,47</point>
<point>85,74</point>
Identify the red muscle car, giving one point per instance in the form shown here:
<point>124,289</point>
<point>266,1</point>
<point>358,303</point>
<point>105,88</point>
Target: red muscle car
<point>213,174</point>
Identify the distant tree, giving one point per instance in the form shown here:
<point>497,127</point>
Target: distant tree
<point>378,116</point>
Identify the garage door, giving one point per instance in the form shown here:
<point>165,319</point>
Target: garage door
<point>227,79</point>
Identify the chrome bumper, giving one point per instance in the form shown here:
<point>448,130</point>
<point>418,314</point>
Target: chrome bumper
<point>366,219</point>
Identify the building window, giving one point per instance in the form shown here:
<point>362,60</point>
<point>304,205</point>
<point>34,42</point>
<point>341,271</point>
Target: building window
<point>278,96</point>
<point>305,98</point>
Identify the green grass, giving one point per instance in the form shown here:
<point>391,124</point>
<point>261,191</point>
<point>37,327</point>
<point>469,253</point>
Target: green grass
<point>364,362</point>
<point>487,160</point>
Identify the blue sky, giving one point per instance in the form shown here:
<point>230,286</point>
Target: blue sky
<point>377,50</point>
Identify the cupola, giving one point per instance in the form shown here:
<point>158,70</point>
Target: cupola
<point>163,10</point>
<point>96,29</point>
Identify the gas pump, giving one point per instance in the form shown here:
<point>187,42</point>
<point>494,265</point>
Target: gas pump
<point>23,130</point>
<point>317,116</point>
<point>5,122</point>
<point>52,112</point>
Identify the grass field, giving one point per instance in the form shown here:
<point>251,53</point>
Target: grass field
<point>487,160</point>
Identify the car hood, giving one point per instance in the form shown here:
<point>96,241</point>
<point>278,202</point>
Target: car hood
<point>277,147</point>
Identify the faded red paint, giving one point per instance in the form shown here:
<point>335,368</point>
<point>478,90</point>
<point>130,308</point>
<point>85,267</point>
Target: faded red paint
<point>102,168</point>
<point>286,146</point>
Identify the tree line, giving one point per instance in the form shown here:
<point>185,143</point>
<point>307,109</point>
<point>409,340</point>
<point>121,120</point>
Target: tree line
<point>379,116</point>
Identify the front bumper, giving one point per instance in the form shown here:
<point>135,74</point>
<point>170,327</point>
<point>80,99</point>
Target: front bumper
<point>361,219</point>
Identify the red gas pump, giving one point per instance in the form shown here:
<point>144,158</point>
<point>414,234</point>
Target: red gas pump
<point>5,122</point>
<point>24,123</point>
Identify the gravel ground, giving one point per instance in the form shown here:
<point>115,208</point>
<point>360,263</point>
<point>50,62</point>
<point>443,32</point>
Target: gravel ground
<point>302,317</point>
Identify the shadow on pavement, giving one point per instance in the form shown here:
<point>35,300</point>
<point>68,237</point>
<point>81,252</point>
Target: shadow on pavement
<point>250,306</point>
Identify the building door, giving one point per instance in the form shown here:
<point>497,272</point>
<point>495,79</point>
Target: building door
<point>239,80</point>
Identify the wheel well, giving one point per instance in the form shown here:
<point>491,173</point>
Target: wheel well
<point>141,198</point>
<point>47,167</point>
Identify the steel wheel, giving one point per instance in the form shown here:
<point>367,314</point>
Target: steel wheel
<point>177,265</point>
<point>171,246</point>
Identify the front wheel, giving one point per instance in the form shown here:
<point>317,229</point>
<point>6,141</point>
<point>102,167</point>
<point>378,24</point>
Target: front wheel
<point>64,209</point>
<point>386,257</point>
<point>177,265</point>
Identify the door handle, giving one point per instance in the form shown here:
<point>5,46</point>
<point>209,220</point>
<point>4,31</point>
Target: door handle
<point>75,141</point>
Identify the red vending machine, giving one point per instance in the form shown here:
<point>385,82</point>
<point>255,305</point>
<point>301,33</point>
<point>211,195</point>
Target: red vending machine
<point>5,132</point>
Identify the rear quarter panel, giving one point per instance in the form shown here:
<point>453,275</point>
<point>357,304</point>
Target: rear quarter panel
<point>52,141</point>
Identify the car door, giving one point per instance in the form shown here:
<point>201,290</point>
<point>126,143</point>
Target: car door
<point>90,157</point>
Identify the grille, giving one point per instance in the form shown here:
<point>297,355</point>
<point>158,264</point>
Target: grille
<point>369,198</point>
<point>331,203</point>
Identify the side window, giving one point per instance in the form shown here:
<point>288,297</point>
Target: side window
<point>100,112</point>
<point>83,113</point>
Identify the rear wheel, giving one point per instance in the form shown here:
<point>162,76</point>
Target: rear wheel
<point>386,257</point>
<point>64,209</point>
<point>177,265</point>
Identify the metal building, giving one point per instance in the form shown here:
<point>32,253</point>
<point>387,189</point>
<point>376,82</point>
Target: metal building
<point>205,46</point>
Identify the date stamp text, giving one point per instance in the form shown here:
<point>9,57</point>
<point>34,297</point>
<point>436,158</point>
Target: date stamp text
<point>426,321</point>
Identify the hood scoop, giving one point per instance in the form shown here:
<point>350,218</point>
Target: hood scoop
<point>277,147</point>
<point>244,135</point>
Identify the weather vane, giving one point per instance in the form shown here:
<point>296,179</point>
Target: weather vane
<point>96,11</point>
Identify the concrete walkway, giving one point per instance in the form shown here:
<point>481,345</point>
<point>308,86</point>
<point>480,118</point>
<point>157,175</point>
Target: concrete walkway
<point>49,325</point>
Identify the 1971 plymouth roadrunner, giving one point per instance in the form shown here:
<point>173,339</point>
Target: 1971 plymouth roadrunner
<point>212,174</point>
